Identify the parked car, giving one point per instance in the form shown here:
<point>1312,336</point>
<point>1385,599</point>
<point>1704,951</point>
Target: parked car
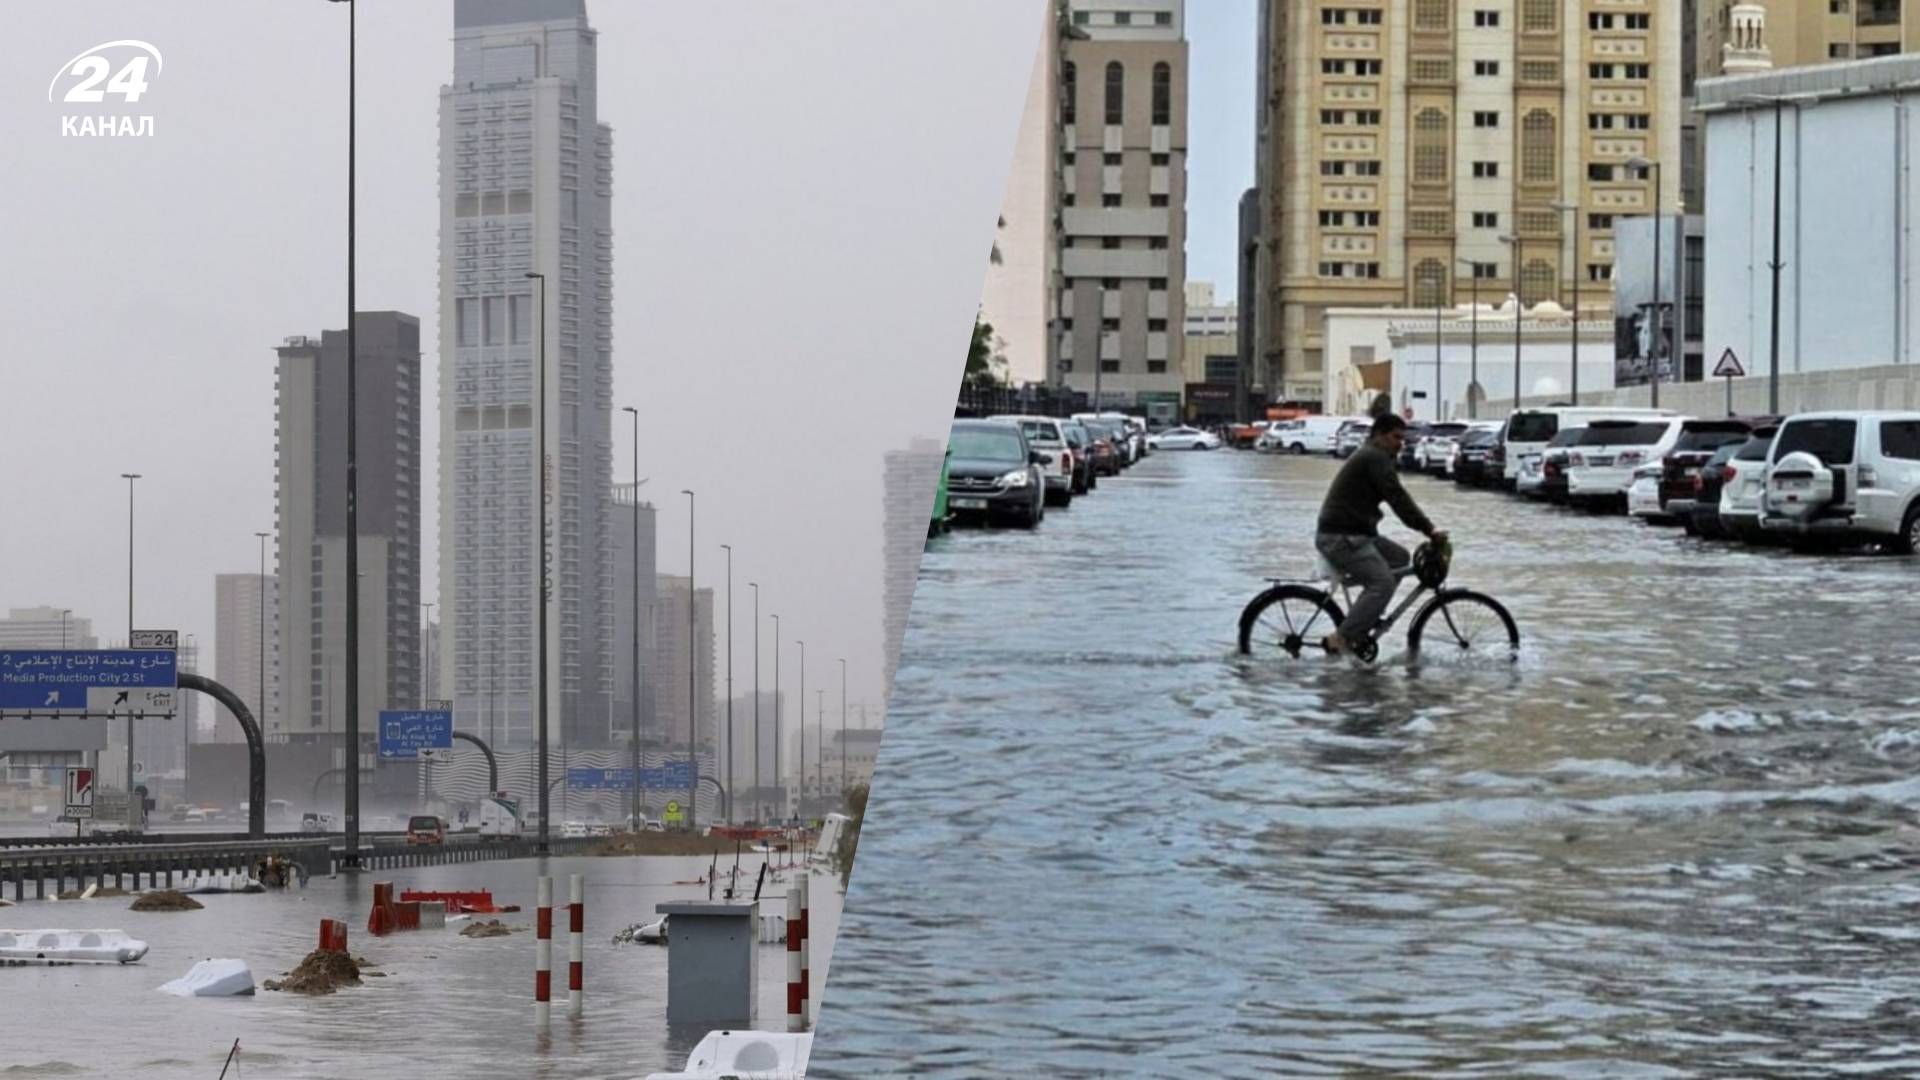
<point>1351,436</point>
<point>994,473</point>
<point>1417,431</point>
<point>1530,430</point>
<point>1129,443</point>
<point>1306,435</point>
<point>1533,477</point>
<point>1742,481</point>
<point>426,829</point>
<point>1080,441</point>
<point>1600,465</point>
<point>1184,438</point>
<point>1699,512</point>
<point>1244,436</point>
<point>1106,455</point>
<point>1046,437</point>
<point>1643,494</point>
<point>1699,441</point>
<point>1431,454</point>
<point>1470,458</point>
<point>1852,476</point>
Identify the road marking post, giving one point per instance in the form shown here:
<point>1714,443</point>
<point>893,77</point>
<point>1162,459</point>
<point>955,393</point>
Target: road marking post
<point>576,947</point>
<point>543,955</point>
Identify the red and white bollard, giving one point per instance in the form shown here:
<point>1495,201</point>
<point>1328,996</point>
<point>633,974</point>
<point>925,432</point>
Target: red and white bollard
<point>796,990</point>
<point>576,947</point>
<point>806,953</point>
<point>543,955</point>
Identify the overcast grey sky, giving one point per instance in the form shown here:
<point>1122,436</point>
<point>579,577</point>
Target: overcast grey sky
<point>803,202</point>
<point>1221,59</point>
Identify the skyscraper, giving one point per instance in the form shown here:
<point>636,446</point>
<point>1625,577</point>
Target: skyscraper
<point>1123,160</point>
<point>238,649</point>
<point>908,485</point>
<point>626,508</point>
<point>311,525</point>
<point>525,184</point>
<point>671,658</point>
<point>1402,144</point>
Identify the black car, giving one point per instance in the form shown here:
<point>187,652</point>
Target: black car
<point>1470,464</point>
<point>1698,442</point>
<point>1700,510</point>
<point>1415,432</point>
<point>993,473</point>
<point>1553,465</point>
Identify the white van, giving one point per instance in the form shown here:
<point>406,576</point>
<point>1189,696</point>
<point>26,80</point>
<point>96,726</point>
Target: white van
<point>1306,435</point>
<point>499,817</point>
<point>1529,430</point>
<point>1853,475</point>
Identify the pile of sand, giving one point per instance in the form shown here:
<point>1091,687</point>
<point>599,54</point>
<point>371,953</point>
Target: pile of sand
<point>165,900</point>
<point>486,928</point>
<point>98,894</point>
<point>321,972</point>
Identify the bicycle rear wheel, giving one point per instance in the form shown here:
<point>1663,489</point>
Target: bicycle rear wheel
<point>1288,619</point>
<point>1465,622</point>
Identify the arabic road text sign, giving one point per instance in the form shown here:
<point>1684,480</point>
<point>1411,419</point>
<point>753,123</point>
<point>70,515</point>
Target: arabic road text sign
<point>674,775</point>
<point>87,680</point>
<point>406,732</point>
<point>581,778</point>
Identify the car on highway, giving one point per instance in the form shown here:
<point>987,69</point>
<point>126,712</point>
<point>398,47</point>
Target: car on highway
<point>426,829</point>
<point>1600,464</point>
<point>1184,438</point>
<point>1048,438</point>
<point>316,822</point>
<point>1852,476</point>
<point>993,474</point>
<point>574,830</point>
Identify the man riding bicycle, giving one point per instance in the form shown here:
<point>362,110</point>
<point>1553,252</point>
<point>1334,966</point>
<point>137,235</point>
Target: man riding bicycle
<point>1348,534</point>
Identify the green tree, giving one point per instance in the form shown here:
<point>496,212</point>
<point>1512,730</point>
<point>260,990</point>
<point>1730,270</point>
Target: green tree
<point>850,836</point>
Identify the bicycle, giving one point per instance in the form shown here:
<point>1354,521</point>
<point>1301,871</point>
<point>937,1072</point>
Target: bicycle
<point>1285,614</point>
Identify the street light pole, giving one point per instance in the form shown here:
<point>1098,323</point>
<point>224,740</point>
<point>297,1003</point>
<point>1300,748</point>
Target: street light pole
<point>1438,362</point>
<point>730,739</point>
<point>693,664</point>
<point>779,779</point>
<point>803,728</point>
<point>64,612</point>
<point>843,727</point>
<point>1473,350</point>
<point>260,703</point>
<point>426,653</point>
<point>1773,376</point>
<point>544,567</point>
<point>633,796</point>
<point>1652,168</point>
<point>1519,303</point>
<point>351,810</point>
<point>133,814</point>
<point>1578,268</point>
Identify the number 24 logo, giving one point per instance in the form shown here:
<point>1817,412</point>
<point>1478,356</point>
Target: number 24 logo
<point>130,81</point>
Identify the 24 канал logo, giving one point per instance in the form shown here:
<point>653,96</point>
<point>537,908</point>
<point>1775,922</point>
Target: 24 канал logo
<point>114,69</point>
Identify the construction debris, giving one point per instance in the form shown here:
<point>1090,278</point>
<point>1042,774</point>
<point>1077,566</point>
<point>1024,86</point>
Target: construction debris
<point>321,972</point>
<point>165,900</point>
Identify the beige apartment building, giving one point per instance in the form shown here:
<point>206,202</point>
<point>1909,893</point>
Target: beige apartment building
<point>1802,32</point>
<point>1123,183</point>
<point>1407,147</point>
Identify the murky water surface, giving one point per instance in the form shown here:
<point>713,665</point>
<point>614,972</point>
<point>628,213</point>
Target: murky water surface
<point>446,1006</point>
<point>1677,838</point>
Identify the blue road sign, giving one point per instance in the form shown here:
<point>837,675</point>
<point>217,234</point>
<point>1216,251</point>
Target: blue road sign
<point>61,678</point>
<point>406,732</point>
<point>580,778</point>
<point>673,776</point>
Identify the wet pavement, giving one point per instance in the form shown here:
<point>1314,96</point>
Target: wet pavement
<point>1677,837</point>
<point>444,1005</point>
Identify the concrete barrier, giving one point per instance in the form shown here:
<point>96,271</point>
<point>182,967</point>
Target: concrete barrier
<point>1889,386</point>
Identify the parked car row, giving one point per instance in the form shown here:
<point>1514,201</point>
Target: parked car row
<point>1010,469</point>
<point>1843,477</point>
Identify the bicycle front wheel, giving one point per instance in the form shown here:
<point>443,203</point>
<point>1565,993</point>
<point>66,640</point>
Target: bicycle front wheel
<point>1289,619</point>
<point>1464,622</point>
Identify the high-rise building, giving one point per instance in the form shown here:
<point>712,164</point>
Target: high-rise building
<point>910,479</point>
<point>525,187</point>
<point>46,628</point>
<point>1123,160</point>
<point>311,525</point>
<point>1210,346</point>
<point>671,659</point>
<point>1015,298</point>
<point>1409,147</point>
<point>246,650</point>
<point>628,511</point>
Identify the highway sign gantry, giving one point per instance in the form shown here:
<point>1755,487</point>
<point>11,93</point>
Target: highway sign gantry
<point>406,732</point>
<point>88,682</point>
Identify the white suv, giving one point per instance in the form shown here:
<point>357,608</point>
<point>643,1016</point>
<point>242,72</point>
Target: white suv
<point>1601,462</point>
<point>1744,481</point>
<point>1852,475</point>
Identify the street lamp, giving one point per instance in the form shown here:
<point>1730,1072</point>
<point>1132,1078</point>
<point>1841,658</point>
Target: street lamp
<point>633,796</point>
<point>1439,306</point>
<point>693,662</point>
<point>730,747</point>
<point>1578,267</point>
<point>1774,265</point>
<point>132,812</point>
<point>1473,353</point>
<point>1519,305</point>
<point>64,612</point>
<point>803,727</point>
<point>426,653</point>
<point>757,807</point>
<point>544,567</point>
<point>1645,167</point>
<point>779,780</point>
<point>843,727</point>
<point>351,810</point>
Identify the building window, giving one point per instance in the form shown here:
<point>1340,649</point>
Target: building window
<point>1156,326</point>
<point>1332,118</point>
<point>1116,91</point>
<point>1333,67</point>
<point>1068,75</point>
<point>1162,93</point>
<point>1158,284</point>
<point>1432,69</point>
<point>1642,72</point>
<point>1066,199</point>
<point>1110,201</point>
<point>1431,15</point>
<point>1109,159</point>
<point>1156,200</point>
<point>1368,270</point>
<point>1486,20</point>
<point>1486,170</point>
<point>1163,159</point>
<point>1536,282</point>
<point>1599,173</point>
<point>1366,67</point>
<point>1599,72</point>
<point>1429,283</point>
<point>1367,17</point>
<point>1109,366</point>
<point>1537,153</point>
<point>1333,168</point>
<point>1486,271</point>
<point>1367,117</point>
<point>1110,283</point>
<point>1599,272</point>
<point>1640,21</point>
<point>1599,21</point>
<point>1366,168</point>
<point>1367,219</point>
<point>1840,51</point>
<point>1639,121</point>
<point>1486,219</point>
<point>1123,18</point>
<point>1600,222</point>
<point>1333,269</point>
<point>1156,243</point>
<point>1110,325</point>
<point>1486,68</point>
<point>1110,243</point>
<point>1329,219</point>
<point>1836,7</point>
<point>1081,18</point>
<point>1538,15</point>
<point>1486,120</point>
<point>1430,147</point>
<point>1599,121</point>
<point>1333,17</point>
<point>1163,18</point>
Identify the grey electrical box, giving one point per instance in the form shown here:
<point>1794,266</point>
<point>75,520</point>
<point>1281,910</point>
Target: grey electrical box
<point>713,962</point>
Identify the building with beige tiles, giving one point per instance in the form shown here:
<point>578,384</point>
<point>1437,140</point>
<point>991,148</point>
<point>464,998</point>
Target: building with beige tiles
<point>1802,32</point>
<point>1122,97</point>
<point>1406,147</point>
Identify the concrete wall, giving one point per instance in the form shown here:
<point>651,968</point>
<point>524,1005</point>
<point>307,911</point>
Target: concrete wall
<point>1891,386</point>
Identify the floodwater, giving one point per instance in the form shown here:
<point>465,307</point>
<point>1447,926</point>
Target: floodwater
<point>1677,837</point>
<point>446,1006</point>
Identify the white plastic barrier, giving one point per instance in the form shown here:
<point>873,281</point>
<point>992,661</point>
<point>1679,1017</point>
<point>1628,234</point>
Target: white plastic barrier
<point>212,978</point>
<point>763,1055</point>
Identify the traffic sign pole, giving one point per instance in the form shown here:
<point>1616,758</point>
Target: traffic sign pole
<point>1729,369</point>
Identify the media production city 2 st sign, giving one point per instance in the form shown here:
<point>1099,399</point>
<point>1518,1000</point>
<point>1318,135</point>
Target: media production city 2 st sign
<point>41,682</point>
<point>406,732</point>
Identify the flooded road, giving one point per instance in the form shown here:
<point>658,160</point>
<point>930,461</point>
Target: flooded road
<point>445,1005</point>
<point>1677,838</point>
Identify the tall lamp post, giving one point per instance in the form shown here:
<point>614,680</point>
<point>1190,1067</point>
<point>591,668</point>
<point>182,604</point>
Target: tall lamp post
<point>1473,351</point>
<point>351,794</point>
<point>693,663</point>
<point>779,779</point>
<point>426,653</point>
<point>633,741</point>
<point>544,567</point>
<point>757,806</point>
<point>1647,167</point>
<point>1578,266</point>
<point>133,814</point>
<point>1519,304</point>
<point>728,802</point>
<point>1774,265</point>
<point>64,612</point>
<point>843,726</point>
<point>1439,306</point>
<point>803,728</point>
